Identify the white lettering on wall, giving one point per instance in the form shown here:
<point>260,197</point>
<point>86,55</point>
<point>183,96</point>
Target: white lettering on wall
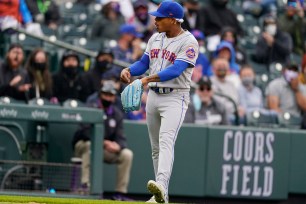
<point>259,147</point>
<point>270,155</point>
<point>248,173</point>
<point>256,188</point>
<point>238,146</point>
<point>226,155</point>
<point>268,181</point>
<point>226,169</point>
<point>248,147</point>
<point>245,191</point>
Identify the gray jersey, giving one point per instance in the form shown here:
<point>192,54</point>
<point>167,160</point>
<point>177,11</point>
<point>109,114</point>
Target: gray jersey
<point>163,51</point>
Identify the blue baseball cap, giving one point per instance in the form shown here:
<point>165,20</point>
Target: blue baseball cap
<point>199,35</point>
<point>169,9</point>
<point>130,29</point>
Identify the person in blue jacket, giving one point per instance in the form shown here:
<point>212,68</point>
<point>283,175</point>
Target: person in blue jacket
<point>226,50</point>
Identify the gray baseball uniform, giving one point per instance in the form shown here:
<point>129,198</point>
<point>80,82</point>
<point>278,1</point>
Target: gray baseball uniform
<point>166,111</point>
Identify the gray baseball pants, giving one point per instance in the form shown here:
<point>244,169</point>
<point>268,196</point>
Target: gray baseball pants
<point>165,115</point>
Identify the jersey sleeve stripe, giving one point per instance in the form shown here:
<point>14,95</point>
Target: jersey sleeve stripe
<point>180,59</point>
<point>146,53</point>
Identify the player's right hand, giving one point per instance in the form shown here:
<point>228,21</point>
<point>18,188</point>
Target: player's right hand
<point>125,75</point>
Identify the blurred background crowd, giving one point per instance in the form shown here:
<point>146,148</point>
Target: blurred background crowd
<point>251,69</point>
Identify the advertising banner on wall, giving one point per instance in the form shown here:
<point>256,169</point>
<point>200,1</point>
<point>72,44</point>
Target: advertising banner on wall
<point>248,163</point>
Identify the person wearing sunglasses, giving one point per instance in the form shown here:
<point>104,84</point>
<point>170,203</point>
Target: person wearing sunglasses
<point>206,109</point>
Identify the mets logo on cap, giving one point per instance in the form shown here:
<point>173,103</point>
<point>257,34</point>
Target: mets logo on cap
<point>190,52</point>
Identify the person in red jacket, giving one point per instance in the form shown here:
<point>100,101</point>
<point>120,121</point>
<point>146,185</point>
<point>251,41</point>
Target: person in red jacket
<point>15,13</point>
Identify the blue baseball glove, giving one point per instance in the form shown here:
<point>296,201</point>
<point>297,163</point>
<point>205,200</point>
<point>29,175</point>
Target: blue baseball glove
<point>131,96</point>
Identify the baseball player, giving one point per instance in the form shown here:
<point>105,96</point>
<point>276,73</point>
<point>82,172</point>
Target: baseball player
<point>170,57</point>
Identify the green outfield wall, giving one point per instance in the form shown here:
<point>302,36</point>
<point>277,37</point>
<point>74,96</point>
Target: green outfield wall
<point>210,161</point>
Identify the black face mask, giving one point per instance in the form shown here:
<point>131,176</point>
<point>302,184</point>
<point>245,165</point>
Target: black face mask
<point>70,71</point>
<point>40,66</point>
<point>106,103</point>
<point>192,11</point>
<point>103,65</point>
<point>142,16</point>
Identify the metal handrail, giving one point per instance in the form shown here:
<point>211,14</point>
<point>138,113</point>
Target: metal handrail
<point>236,113</point>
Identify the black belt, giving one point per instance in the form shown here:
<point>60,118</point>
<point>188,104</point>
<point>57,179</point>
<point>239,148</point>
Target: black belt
<point>161,90</point>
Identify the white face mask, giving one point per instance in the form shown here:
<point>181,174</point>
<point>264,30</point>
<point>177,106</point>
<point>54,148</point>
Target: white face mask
<point>271,29</point>
<point>289,75</point>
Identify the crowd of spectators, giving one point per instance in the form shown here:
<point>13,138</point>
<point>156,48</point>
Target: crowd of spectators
<point>225,76</point>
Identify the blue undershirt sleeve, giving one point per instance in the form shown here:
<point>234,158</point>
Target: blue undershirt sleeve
<point>173,71</point>
<point>141,66</point>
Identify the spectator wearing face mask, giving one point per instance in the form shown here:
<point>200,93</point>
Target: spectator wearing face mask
<point>192,19</point>
<point>292,22</point>
<point>92,80</point>
<point>66,82</point>
<point>250,96</point>
<point>40,77</point>
<point>273,45</point>
<point>283,94</point>
<point>223,86</point>
<point>143,22</point>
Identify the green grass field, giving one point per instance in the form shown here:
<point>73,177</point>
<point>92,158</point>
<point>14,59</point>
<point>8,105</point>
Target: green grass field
<point>47,200</point>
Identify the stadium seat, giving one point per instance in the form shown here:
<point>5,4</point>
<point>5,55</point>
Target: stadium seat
<point>287,120</point>
<point>66,32</point>
<point>259,118</point>
<point>27,42</point>
<point>69,9</point>
<point>73,103</point>
<point>94,45</point>
<point>275,70</point>
<point>248,43</point>
<point>9,100</point>
<point>94,10</point>
<point>253,31</point>
<point>249,21</point>
<point>41,102</point>
<point>47,31</point>
<point>81,19</point>
<point>261,81</point>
